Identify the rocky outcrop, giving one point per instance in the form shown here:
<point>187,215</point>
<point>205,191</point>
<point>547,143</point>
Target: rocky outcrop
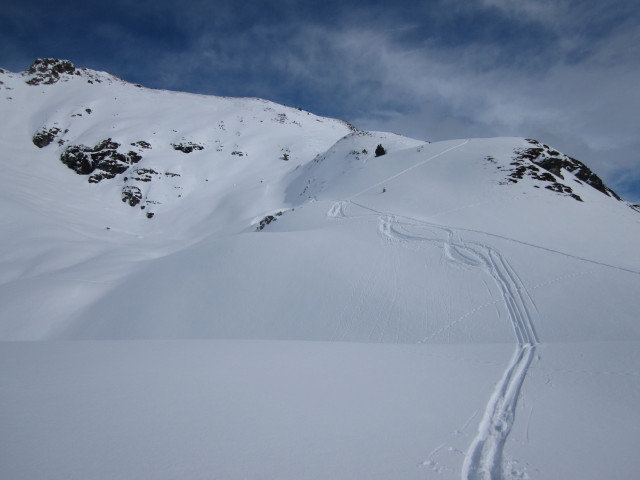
<point>46,136</point>
<point>101,161</point>
<point>131,195</point>
<point>523,165</point>
<point>49,70</point>
<point>544,164</point>
<point>554,162</point>
<point>142,144</point>
<point>144,174</point>
<point>187,147</point>
<point>267,220</point>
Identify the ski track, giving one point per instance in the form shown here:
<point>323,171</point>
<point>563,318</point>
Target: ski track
<point>406,170</point>
<point>484,458</point>
<point>418,222</point>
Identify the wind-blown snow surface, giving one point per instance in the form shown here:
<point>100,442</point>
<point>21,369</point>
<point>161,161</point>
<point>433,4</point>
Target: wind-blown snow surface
<point>446,310</point>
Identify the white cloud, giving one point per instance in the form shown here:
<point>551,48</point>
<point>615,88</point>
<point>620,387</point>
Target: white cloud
<point>539,10</point>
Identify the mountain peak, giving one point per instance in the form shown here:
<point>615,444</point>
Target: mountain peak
<point>49,70</point>
<point>555,162</point>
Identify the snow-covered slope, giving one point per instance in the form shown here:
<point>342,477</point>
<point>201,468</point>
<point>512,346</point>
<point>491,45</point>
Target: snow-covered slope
<point>130,213</point>
<point>196,165</point>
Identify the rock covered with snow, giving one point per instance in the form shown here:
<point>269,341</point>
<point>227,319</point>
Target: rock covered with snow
<point>48,71</point>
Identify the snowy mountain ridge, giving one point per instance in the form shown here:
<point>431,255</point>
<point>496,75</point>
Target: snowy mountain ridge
<point>155,172</point>
<point>107,158</point>
<point>350,308</point>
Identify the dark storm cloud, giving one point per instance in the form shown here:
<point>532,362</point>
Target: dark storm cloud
<point>562,71</point>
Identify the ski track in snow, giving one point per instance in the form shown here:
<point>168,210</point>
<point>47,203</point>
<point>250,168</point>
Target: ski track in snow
<point>576,257</point>
<point>406,170</point>
<point>418,222</point>
<point>484,458</point>
<point>337,210</point>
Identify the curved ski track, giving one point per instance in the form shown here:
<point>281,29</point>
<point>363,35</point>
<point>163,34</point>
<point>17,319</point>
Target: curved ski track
<point>484,458</point>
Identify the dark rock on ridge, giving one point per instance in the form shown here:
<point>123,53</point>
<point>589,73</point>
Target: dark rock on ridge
<point>267,220</point>
<point>530,161</point>
<point>554,162</point>
<point>48,71</point>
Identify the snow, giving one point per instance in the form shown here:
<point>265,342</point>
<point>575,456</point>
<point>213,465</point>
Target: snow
<point>269,409</point>
<point>231,409</point>
<point>412,315</point>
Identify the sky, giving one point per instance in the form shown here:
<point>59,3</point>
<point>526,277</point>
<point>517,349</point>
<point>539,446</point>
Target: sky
<point>565,72</point>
